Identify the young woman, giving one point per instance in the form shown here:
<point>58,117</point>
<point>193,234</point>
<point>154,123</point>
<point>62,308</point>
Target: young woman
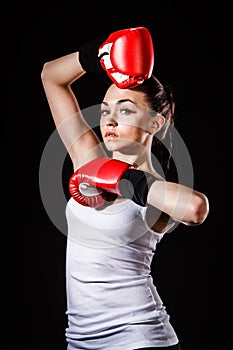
<point>112,302</point>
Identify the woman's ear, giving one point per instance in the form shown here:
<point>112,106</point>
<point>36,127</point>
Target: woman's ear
<point>156,123</point>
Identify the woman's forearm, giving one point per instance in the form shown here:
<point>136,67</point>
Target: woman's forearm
<point>181,203</point>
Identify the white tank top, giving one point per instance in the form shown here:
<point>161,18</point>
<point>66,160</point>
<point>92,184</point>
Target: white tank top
<point>112,302</point>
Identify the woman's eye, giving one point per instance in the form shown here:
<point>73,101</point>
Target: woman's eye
<point>104,112</point>
<point>126,111</point>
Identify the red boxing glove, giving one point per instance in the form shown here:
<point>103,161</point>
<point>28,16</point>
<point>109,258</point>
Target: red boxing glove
<point>128,56</point>
<point>99,181</point>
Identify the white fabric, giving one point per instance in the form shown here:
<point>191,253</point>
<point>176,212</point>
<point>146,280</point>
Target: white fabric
<point>112,302</point>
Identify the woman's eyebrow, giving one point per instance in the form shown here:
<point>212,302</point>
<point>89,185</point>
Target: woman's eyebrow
<point>119,102</point>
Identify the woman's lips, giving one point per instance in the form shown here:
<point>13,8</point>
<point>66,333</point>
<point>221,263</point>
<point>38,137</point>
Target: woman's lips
<point>110,135</point>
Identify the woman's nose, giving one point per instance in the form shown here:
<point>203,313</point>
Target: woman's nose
<point>111,123</point>
<point>111,120</point>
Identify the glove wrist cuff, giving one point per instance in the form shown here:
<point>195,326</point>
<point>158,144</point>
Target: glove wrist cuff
<point>137,185</point>
<point>88,56</point>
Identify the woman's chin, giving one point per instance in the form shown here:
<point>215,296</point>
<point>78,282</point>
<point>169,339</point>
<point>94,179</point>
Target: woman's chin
<point>112,145</point>
<point>122,146</point>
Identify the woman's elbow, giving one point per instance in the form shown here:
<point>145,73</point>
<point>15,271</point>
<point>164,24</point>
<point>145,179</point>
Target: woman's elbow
<point>199,209</point>
<point>44,71</point>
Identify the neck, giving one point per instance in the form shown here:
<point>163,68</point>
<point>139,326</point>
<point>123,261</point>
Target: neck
<point>141,161</point>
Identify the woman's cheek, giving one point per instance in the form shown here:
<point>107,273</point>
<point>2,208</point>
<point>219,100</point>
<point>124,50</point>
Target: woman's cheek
<point>133,133</point>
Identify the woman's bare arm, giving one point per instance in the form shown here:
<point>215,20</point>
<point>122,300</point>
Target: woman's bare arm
<point>181,203</point>
<point>57,77</point>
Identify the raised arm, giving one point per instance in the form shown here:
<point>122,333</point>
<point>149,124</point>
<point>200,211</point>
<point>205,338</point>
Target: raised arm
<point>57,77</point>
<point>113,56</point>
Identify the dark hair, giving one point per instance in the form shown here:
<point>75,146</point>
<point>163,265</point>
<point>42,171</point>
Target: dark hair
<point>160,100</point>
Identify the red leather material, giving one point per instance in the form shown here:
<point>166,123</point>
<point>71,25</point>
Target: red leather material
<point>103,173</point>
<point>131,54</point>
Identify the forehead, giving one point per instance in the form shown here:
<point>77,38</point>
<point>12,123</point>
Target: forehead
<point>114,94</point>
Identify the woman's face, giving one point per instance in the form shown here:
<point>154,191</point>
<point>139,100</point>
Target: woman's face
<point>125,119</point>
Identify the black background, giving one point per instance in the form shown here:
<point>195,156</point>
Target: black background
<point>188,267</point>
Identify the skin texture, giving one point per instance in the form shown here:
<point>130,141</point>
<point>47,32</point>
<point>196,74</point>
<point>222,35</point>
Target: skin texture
<point>127,129</point>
